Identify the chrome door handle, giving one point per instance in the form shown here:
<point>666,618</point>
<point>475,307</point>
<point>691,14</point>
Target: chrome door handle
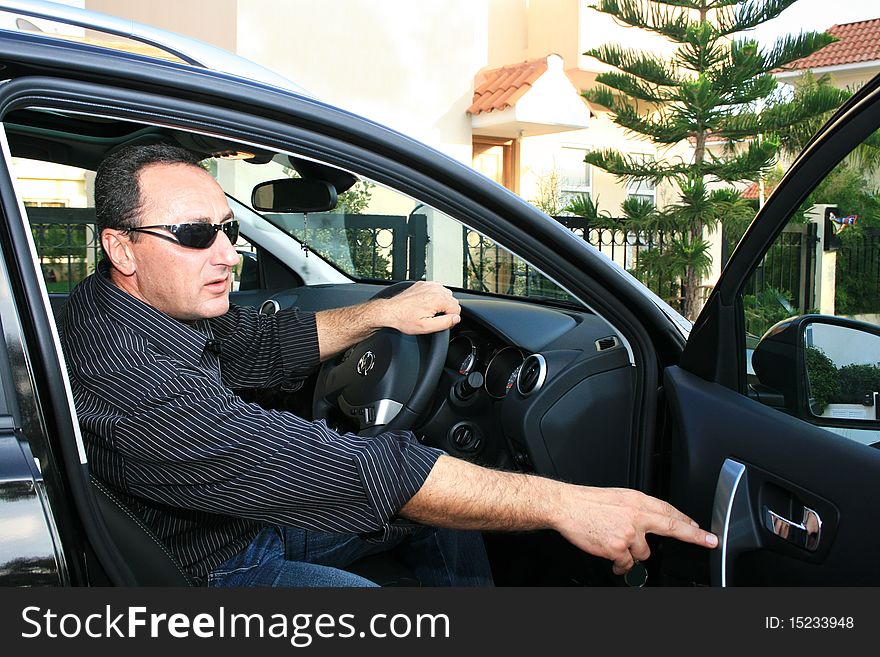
<point>805,534</point>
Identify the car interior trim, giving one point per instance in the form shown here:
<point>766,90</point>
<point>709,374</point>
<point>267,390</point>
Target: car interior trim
<point>729,479</point>
<point>44,297</point>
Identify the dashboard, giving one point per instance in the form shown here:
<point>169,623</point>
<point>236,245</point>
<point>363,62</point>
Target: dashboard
<point>525,385</point>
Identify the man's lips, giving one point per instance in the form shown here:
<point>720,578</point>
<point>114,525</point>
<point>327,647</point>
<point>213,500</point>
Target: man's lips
<point>220,283</point>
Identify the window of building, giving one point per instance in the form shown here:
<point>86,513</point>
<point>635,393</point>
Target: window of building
<point>642,189</point>
<point>575,175</point>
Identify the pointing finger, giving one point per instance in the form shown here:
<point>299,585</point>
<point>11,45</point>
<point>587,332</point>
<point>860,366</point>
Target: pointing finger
<point>680,529</point>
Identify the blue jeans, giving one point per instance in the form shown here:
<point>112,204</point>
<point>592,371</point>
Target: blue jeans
<point>290,557</point>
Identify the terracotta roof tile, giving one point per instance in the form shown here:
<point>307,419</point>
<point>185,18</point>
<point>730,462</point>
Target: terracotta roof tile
<point>752,191</point>
<point>500,88</point>
<point>858,42</point>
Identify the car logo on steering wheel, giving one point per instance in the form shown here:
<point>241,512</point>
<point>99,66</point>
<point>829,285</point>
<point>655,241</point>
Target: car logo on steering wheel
<point>365,364</point>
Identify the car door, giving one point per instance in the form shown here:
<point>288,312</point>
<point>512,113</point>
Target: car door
<point>108,88</point>
<point>763,478</point>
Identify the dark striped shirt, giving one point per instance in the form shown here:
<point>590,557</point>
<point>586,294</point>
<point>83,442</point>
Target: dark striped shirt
<point>205,469</point>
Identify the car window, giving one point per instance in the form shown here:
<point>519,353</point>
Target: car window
<point>378,233</point>
<point>827,262</point>
<point>374,233</point>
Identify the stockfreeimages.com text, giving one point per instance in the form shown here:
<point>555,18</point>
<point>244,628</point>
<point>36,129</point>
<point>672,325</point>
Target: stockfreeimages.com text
<point>300,629</point>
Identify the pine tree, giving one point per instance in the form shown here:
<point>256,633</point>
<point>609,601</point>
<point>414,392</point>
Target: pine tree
<point>717,84</point>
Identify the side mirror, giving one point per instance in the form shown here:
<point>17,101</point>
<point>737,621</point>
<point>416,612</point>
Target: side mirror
<point>294,195</point>
<point>826,368</point>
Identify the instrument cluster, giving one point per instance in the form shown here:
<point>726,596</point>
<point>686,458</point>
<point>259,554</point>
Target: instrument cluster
<point>499,364</point>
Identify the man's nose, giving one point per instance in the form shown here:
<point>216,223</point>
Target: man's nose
<point>225,252</point>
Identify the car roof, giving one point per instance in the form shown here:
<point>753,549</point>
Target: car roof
<point>190,51</point>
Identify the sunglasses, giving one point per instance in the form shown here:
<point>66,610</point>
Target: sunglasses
<point>195,235</point>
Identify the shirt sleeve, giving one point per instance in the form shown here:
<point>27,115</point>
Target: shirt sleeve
<point>185,440</point>
<point>261,351</point>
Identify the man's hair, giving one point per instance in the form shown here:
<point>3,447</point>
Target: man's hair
<point>117,190</point>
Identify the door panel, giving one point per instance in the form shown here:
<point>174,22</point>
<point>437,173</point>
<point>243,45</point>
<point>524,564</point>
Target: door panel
<point>793,503</point>
<point>783,465</point>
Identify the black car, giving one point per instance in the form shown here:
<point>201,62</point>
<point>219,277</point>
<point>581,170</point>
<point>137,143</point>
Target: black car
<point>563,364</point>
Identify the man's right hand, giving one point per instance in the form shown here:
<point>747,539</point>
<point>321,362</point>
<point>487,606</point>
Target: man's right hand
<point>613,523</point>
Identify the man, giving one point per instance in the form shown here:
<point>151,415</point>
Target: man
<point>154,348</point>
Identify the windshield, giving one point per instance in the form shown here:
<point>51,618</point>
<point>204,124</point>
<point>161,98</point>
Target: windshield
<point>377,233</point>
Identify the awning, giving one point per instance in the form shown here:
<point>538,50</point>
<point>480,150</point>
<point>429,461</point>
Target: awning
<point>535,97</point>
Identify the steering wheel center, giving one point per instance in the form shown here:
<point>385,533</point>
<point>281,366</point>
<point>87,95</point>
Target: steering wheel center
<point>386,381</point>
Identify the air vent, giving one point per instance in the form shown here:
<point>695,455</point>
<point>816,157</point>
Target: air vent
<point>531,374</point>
<point>607,343</point>
<point>464,436</point>
<point>269,307</point>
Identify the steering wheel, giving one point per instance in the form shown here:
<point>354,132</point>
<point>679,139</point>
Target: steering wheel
<point>385,382</point>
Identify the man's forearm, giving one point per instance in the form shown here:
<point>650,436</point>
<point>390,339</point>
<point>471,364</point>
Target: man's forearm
<point>424,307</point>
<point>460,495</point>
<point>607,522</point>
<point>340,328</point>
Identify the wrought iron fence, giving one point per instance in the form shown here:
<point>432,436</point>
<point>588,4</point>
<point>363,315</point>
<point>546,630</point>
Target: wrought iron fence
<point>66,243</point>
<point>389,247</point>
<point>487,267</point>
<point>857,277</point>
<point>622,246</point>
<point>784,283</point>
<point>395,248</point>
<point>790,265</point>
<point>638,251</point>
<point>384,247</point>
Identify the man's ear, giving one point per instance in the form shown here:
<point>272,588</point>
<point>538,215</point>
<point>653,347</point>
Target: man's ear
<point>117,246</point>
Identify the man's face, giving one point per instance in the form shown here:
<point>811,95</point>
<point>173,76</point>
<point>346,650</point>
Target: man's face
<point>186,283</point>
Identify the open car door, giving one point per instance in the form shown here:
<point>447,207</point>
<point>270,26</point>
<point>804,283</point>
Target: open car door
<point>789,491</point>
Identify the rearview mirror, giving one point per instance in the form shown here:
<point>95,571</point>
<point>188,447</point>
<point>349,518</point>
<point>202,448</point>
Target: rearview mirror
<point>294,195</point>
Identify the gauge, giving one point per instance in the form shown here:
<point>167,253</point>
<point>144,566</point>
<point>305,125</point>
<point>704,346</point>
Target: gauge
<point>512,378</point>
<point>502,370</point>
<point>462,354</point>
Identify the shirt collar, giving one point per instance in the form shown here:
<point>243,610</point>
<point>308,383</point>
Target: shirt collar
<point>180,341</point>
